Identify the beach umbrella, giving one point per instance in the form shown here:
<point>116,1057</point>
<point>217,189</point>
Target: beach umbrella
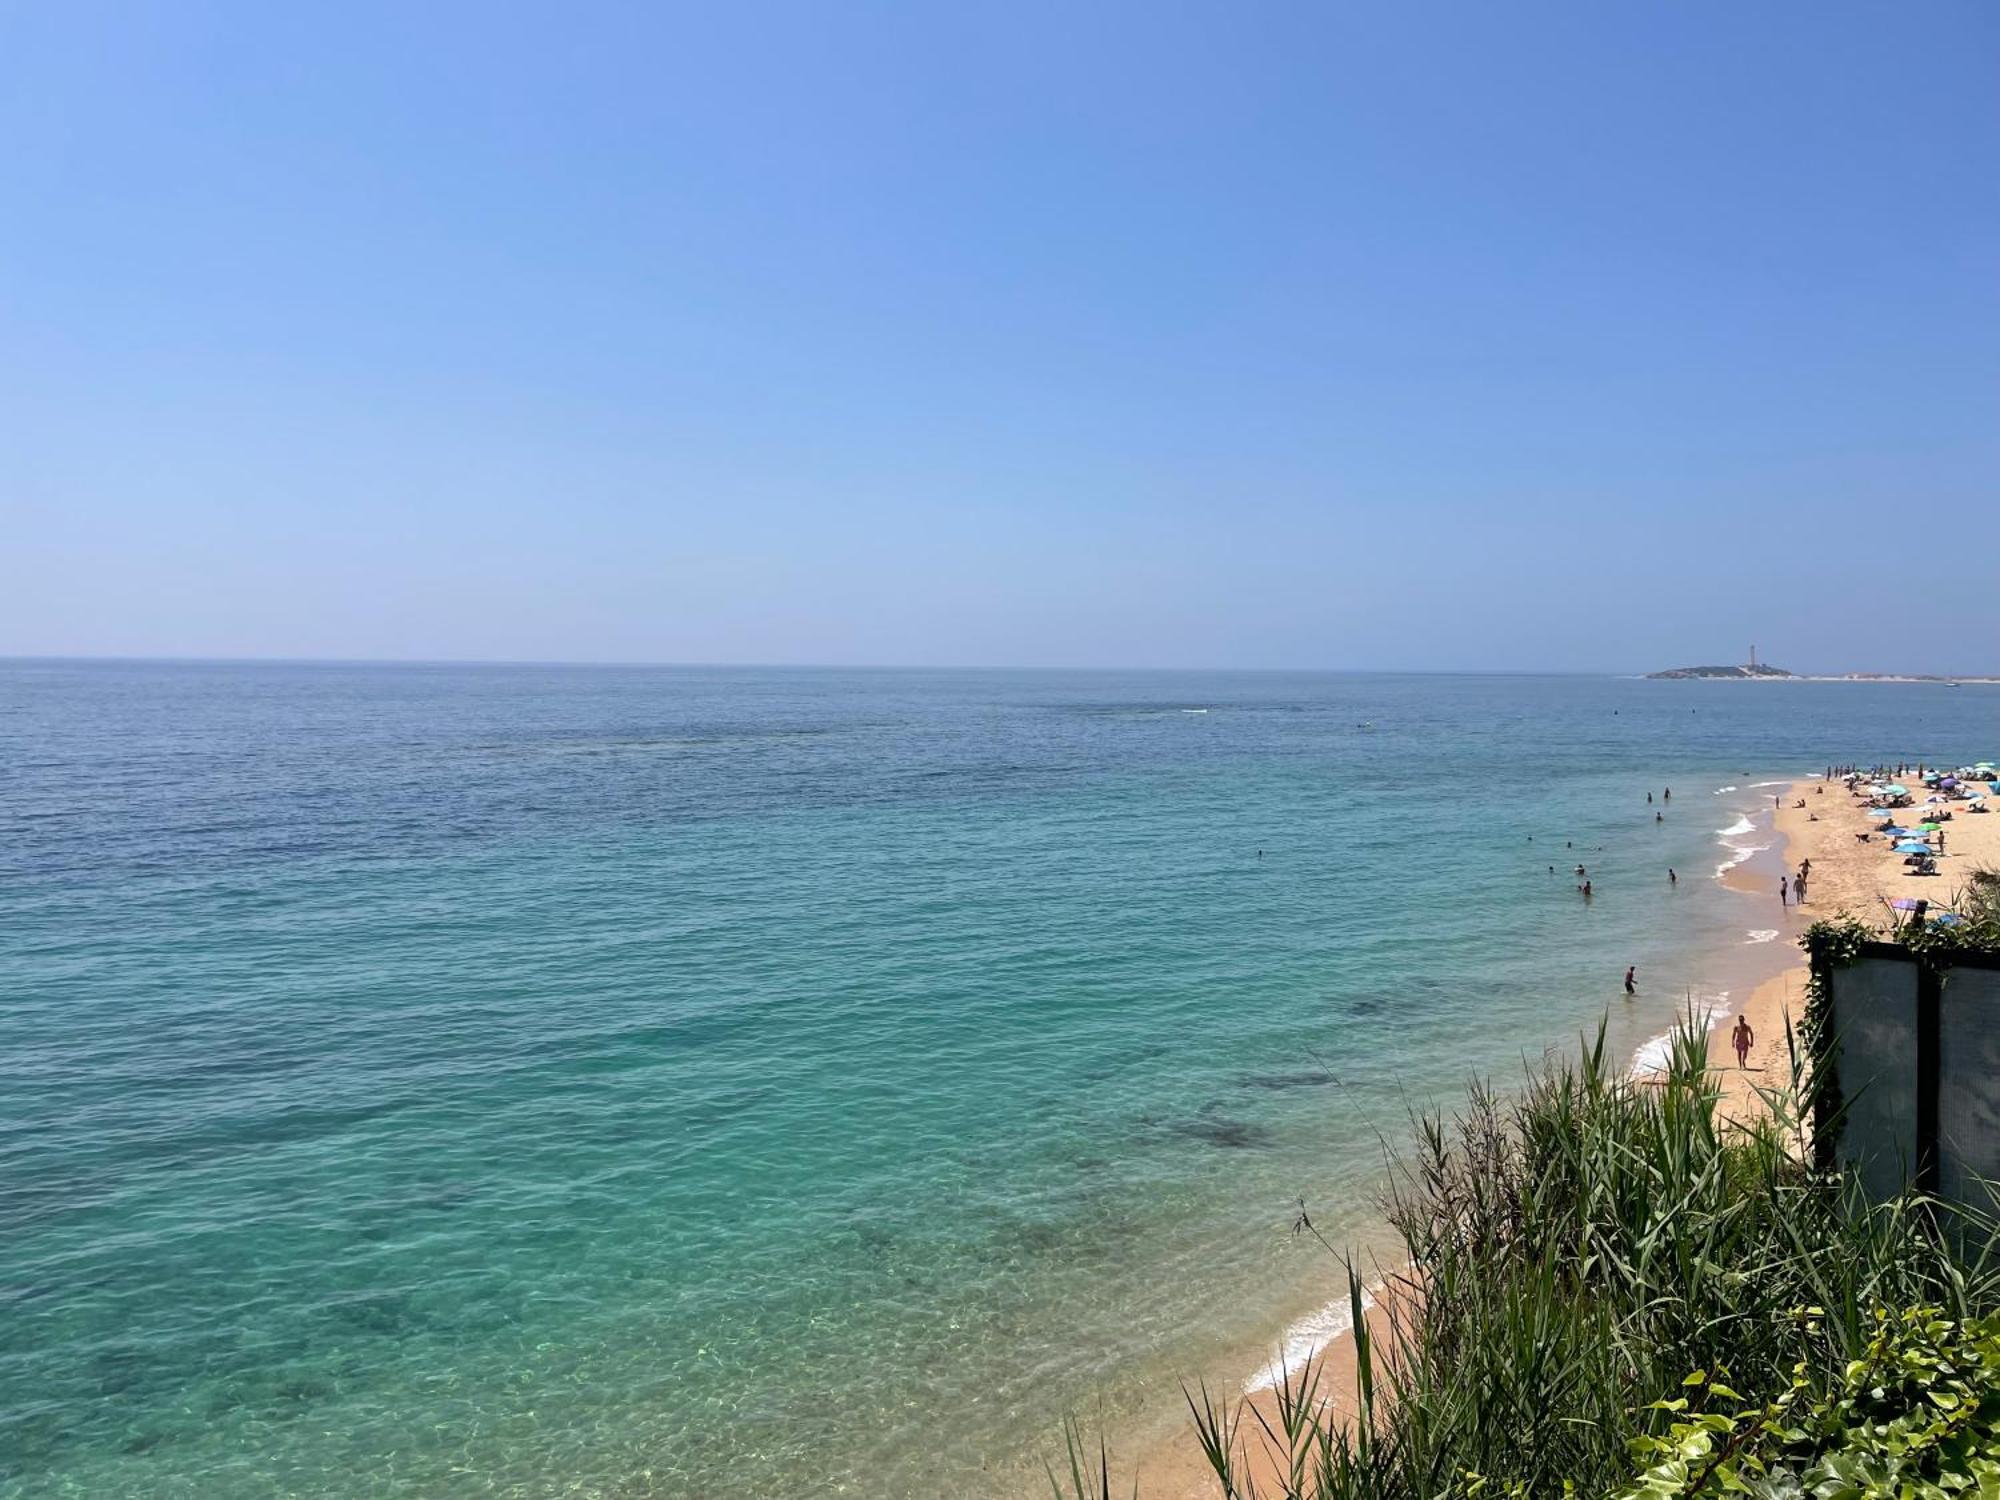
<point>1947,781</point>
<point>1911,846</point>
<point>1906,903</point>
<point>1949,919</point>
<point>1895,830</point>
<point>1930,827</point>
<point>1895,789</point>
<point>1883,812</point>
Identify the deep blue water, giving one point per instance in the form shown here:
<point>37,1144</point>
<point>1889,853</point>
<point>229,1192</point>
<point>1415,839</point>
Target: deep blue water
<point>523,1081</point>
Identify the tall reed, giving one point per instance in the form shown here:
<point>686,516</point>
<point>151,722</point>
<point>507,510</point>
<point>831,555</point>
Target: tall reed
<point>1576,1251</point>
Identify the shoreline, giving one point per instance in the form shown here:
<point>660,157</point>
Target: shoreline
<point>1776,1000</point>
<point>1173,1467</point>
<point>1849,878</point>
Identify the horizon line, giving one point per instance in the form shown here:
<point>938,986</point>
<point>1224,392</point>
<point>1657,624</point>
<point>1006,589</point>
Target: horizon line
<point>110,658</point>
<point>639,663</point>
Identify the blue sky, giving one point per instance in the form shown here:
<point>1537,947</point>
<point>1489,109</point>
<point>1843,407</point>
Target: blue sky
<point>1579,336</point>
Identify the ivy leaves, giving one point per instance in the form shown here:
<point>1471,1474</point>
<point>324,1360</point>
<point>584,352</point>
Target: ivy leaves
<point>1917,1417</point>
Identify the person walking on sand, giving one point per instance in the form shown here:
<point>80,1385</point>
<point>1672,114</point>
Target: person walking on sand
<point>1631,980</point>
<point>1742,1039</point>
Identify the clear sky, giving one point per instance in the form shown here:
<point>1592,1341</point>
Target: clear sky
<point>1482,335</point>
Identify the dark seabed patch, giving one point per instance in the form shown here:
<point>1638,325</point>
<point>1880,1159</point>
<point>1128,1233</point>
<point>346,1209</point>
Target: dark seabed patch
<point>1316,1078</point>
<point>1217,1129</point>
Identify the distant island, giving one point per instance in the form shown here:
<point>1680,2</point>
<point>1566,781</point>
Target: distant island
<point>1752,669</point>
<point>1759,671</point>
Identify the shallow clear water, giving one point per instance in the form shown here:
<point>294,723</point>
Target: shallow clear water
<point>640,1082</point>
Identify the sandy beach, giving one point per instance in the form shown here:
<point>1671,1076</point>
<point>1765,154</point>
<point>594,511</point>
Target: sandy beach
<point>1849,877</point>
<point>1859,879</point>
<point>1819,821</point>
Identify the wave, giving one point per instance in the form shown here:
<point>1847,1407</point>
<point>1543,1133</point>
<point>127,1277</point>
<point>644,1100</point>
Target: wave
<point>1761,935</point>
<point>1655,1053</point>
<point>1770,783</point>
<point>1305,1340</point>
<point>1740,826</point>
<point>1721,789</point>
<point>1740,853</point>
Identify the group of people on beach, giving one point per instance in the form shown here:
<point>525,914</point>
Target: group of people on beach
<point>1797,885</point>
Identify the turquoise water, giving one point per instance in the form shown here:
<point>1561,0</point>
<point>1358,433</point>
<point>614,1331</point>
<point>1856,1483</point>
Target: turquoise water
<point>435,1081</point>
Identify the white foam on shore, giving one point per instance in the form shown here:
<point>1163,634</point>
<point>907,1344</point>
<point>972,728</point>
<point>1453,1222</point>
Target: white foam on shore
<point>1656,1052</point>
<point>1306,1339</point>
<point>1740,826</point>
<point>1762,935</point>
<point>1740,853</point>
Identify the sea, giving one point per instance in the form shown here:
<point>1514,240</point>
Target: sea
<point>534,1081</point>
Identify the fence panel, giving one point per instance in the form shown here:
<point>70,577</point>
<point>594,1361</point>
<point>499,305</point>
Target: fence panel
<point>1968,1085</point>
<point>1875,1022</point>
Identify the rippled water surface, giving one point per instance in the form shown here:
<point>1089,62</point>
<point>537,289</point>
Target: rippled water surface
<point>424,1081</point>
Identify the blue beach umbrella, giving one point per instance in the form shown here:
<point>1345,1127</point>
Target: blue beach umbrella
<point>1883,812</point>
<point>1895,832</point>
<point>1894,790</point>
<point>1911,846</point>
